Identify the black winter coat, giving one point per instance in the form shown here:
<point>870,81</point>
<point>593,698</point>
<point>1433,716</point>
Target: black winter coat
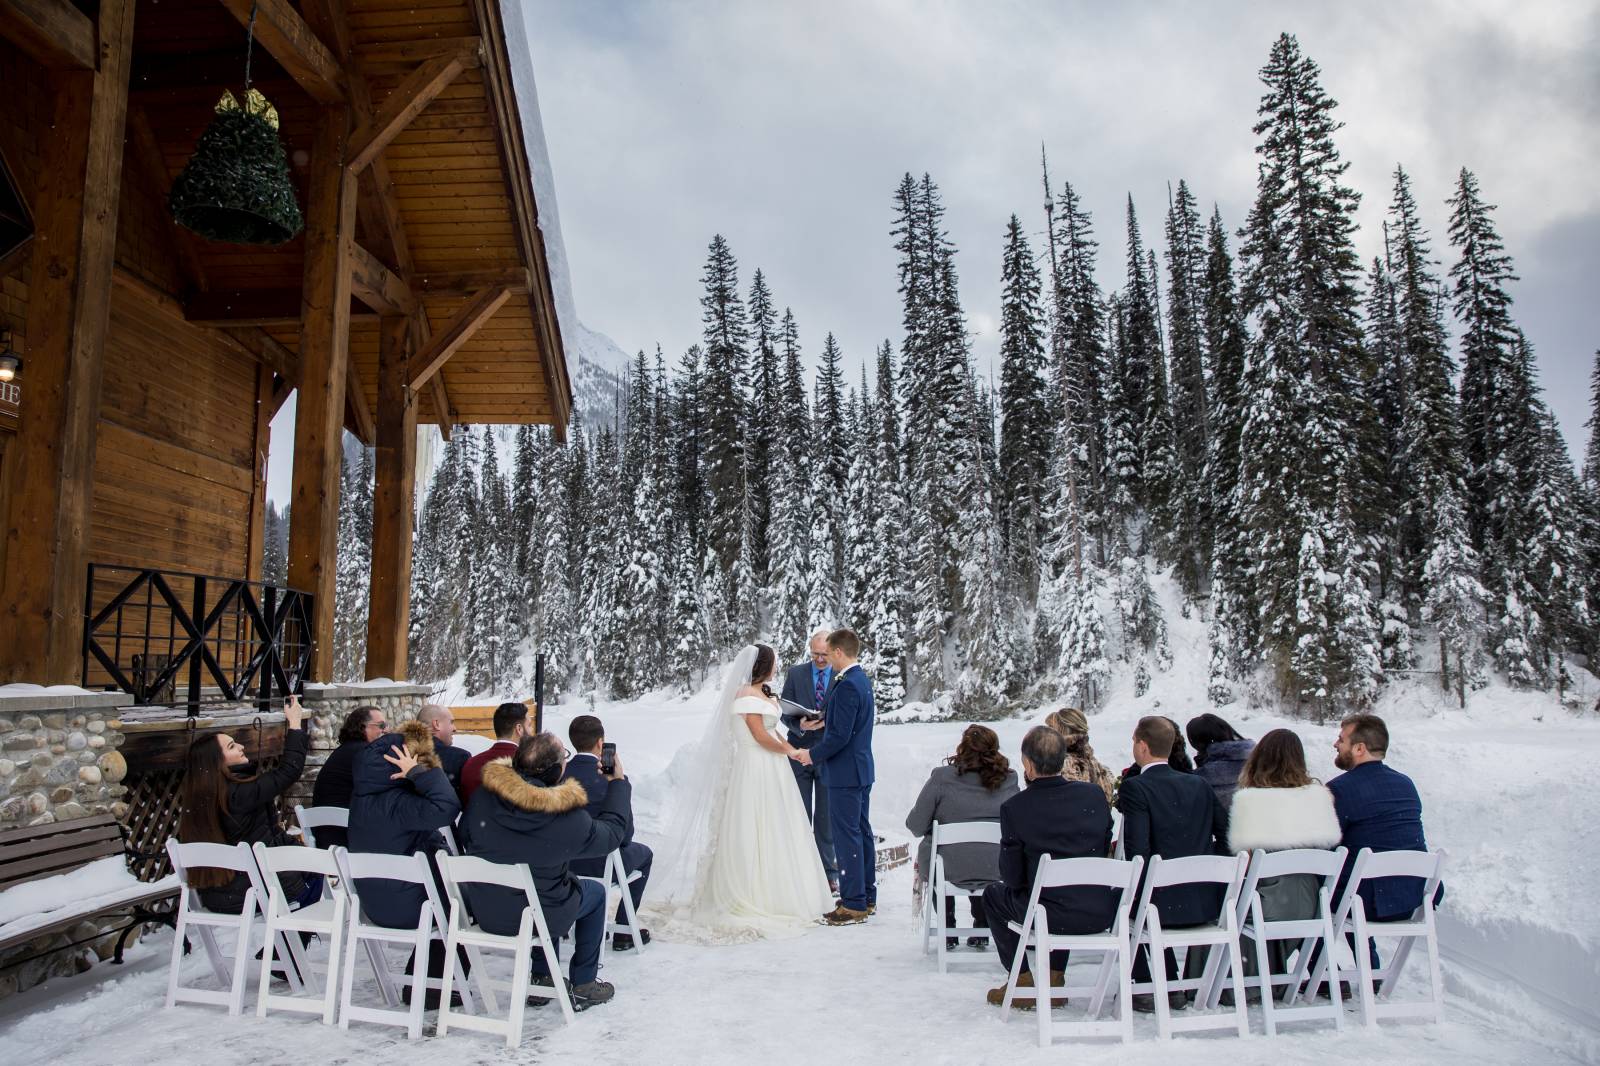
<point>512,819</point>
<point>1174,815</point>
<point>1066,820</point>
<point>334,787</point>
<point>402,817</point>
<point>253,819</point>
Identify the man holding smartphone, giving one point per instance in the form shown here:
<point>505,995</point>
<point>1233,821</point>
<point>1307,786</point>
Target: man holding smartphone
<point>587,767</point>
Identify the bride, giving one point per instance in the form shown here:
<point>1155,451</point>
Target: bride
<point>740,861</point>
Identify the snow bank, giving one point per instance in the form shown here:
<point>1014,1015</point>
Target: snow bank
<point>102,883</point>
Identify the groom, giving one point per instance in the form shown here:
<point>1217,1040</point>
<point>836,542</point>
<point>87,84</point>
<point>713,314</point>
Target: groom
<point>843,758</point>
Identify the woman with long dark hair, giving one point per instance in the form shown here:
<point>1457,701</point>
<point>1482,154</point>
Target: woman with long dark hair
<point>226,800</point>
<point>969,787</point>
<point>1220,752</point>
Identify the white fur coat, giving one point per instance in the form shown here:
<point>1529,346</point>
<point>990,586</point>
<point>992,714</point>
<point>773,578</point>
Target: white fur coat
<point>1276,819</point>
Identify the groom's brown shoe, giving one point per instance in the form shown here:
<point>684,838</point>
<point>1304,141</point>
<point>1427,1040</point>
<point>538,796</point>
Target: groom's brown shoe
<point>842,915</point>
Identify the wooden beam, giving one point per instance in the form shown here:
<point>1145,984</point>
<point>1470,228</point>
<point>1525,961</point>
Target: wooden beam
<point>284,34</point>
<point>253,307</point>
<point>281,391</point>
<point>48,505</point>
<point>458,331</point>
<point>377,286</point>
<point>147,151</point>
<point>267,351</point>
<point>53,32</point>
<point>408,100</point>
<point>393,505</point>
<point>465,282</point>
<point>358,414</point>
<point>255,542</point>
<point>324,359</point>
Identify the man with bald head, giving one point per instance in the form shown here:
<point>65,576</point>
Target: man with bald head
<point>442,724</point>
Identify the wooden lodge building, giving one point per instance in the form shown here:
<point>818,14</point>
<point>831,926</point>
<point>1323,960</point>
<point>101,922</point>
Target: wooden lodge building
<point>134,438</point>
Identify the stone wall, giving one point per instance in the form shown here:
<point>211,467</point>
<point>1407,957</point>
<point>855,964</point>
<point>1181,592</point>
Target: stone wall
<point>58,761</point>
<point>326,708</point>
<point>58,757</point>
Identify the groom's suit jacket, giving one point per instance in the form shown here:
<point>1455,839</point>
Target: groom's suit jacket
<point>843,756</point>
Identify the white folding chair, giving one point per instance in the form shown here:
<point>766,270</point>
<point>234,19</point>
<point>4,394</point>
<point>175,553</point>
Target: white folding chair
<point>935,927</point>
<point>450,844</point>
<point>616,876</point>
<point>1114,946</point>
<point>194,918</point>
<point>532,932</point>
<point>1351,917</point>
<point>1315,936</point>
<point>1228,872</point>
<point>355,867</point>
<point>313,818</point>
<point>326,917</point>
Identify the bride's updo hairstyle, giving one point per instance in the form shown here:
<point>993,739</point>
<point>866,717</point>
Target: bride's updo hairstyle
<point>766,659</point>
<point>979,753</point>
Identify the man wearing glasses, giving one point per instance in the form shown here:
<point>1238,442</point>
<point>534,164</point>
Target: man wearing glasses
<point>807,684</point>
<point>335,781</point>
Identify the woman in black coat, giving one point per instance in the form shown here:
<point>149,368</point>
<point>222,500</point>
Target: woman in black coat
<point>226,801</point>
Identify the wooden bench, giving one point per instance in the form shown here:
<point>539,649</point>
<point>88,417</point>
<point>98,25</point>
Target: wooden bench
<point>61,847</point>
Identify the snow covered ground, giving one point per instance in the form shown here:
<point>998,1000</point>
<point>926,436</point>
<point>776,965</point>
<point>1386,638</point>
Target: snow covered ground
<point>1508,788</point>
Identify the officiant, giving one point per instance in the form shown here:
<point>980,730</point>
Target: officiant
<point>807,684</point>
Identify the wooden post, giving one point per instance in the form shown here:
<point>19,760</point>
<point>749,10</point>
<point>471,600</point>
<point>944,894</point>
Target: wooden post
<point>255,549</point>
<point>324,353</point>
<point>69,300</point>
<point>393,503</point>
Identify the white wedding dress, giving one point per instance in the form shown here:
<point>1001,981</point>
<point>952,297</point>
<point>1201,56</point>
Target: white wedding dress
<point>740,863</point>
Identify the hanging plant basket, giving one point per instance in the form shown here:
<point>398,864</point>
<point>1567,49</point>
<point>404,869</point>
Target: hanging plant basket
<point>236,187</point>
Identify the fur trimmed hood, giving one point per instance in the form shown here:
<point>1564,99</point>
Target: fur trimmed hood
<point>501,779</point>
<point>1276,819</point>
<point>419,740</point>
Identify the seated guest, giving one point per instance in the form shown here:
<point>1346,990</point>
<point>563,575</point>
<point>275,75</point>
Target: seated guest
<point>1279,806</point>
<point>588,736</point>
<point>525,813</point>
<point>1378,808</point>
<point>402,799</point>
<point>335,781</point>
<point>1178,759</point>
<point>442,723</point>
<point>226,800</point>
<point>1081,765</point>
<point>1061,818</point>
<point>969,787</point>
<point>1219,753</point>
<point>511,724</point>
<point>1173,815</point>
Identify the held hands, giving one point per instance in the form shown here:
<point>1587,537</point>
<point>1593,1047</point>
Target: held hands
<point>801,756</point>
<point>403,759</point>
<point>293,713</point>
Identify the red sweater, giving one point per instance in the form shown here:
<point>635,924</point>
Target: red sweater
<point>472,772</point>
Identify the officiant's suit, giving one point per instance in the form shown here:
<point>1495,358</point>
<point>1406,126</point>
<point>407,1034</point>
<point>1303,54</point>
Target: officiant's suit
<point>807,685</point>
<point>844,758</point>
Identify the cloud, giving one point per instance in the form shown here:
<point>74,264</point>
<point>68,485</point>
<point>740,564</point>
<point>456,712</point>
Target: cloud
<point>785,127</point>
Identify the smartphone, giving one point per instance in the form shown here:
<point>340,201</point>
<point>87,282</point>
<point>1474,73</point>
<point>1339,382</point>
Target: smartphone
<point>608,758</point>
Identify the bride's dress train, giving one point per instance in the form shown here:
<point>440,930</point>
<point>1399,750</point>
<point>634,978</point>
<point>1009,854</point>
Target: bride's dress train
<point>740,860</point>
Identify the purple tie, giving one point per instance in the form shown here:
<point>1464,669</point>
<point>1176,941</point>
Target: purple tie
<point>822,688</point>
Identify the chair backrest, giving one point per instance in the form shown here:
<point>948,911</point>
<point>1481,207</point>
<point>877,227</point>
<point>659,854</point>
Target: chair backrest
<point>294,858</point>
<point>965,833</point>
<point>473,870</point>
<point>1194,870</point>
<point>449,840</point>
<point>1371,865</point>
<point>313,818</point>
<point>236,857</point>
<point>1315,861</point>
<point>1106,873</point>
<point>353,865</point>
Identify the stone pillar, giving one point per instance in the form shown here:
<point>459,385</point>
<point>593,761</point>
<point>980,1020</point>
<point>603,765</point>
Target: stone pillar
<point>58,756</point>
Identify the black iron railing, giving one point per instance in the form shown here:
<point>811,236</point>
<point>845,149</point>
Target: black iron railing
<point>147,631</point>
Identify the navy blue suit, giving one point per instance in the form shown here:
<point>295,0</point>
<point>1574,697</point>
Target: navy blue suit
<point>1379,808</point>
<point>799,687</point>
<point>584,768</point>
<point>843,758</point>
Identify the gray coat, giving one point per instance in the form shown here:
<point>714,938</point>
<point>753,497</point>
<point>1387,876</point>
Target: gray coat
<point>950,797</point>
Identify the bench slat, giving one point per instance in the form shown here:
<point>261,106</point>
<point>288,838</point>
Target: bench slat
<point>38,866</point>
<point>68,920</point>
<point>109,836</point>
<point>72,825</point>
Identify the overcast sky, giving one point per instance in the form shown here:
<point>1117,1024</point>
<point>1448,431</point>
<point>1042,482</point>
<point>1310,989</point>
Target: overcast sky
<point>786,126</point>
